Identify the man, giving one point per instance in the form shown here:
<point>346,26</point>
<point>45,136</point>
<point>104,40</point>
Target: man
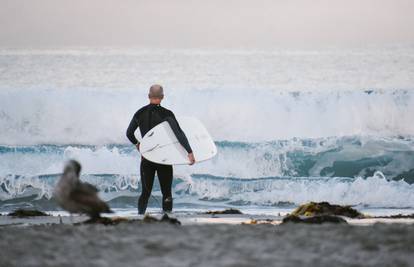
<point>146,118</point>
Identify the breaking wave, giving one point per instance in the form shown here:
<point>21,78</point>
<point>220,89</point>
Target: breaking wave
<point>368,171</point>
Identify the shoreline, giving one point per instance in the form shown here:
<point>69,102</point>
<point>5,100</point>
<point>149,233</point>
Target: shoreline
<point>190,219</point>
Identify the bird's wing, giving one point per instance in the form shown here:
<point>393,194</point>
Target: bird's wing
<point>86,188</point>
<point>63,186</point>
<point>86,195</point>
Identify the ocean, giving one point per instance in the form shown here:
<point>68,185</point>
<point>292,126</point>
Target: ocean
<point>291,126</point>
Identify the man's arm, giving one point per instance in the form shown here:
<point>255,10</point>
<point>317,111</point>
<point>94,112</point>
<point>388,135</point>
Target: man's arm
<point>130,133</point>
<point>179,133</point>
<point>182,139</point>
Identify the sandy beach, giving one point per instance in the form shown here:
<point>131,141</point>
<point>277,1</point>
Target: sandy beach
<point>205,240</point>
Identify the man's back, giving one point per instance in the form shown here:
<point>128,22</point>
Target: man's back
<point>148,117</point>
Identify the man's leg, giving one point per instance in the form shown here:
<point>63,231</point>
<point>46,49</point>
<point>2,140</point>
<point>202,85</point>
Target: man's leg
<point>165,176</point>
<point>147,170</point>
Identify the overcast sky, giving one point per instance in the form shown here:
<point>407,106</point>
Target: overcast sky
<point>207,23</point>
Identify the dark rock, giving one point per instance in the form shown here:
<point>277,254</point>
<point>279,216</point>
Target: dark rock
<point>318,219</point>
<point>324,208</point>
<point>226,211</point>
<point>21,213</point>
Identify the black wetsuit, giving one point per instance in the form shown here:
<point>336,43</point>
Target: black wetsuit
<point>146,118</point>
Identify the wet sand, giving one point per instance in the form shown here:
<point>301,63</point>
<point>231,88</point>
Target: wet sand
<point>205,241</point>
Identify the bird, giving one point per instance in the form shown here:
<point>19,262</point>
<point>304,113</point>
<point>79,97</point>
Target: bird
<point>76,196</point>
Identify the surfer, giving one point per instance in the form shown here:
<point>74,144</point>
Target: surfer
<point>146,118</point>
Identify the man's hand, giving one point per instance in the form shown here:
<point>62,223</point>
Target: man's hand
<point>191,158</point>
<point>137,146</point>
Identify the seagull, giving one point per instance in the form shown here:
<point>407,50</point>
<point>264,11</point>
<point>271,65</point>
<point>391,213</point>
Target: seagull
<point>75,196</point>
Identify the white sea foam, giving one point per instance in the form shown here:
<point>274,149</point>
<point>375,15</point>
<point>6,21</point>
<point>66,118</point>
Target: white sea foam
<point>373,191</point>
<point>91,117</point>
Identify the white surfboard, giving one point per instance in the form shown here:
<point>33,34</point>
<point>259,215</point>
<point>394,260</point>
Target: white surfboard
<point>160,145</point>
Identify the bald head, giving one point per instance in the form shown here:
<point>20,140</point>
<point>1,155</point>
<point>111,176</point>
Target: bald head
<point>156,91</point>
<point>156,94</point>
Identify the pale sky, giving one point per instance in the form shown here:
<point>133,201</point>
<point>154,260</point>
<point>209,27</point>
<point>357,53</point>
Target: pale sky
<point>203,24</point>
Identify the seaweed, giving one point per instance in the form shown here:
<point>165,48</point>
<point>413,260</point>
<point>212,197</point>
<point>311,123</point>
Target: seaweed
<point>226,211</point>
<point>325,208</point>
<point>318,219</point>
<point>22,213</point>
<point>117,220</point>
